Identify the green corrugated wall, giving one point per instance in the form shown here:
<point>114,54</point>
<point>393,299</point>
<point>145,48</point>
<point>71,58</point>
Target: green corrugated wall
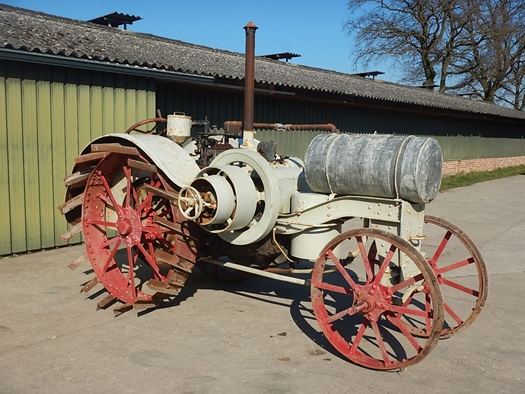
<point>47,116</point>
<point>294,143</point>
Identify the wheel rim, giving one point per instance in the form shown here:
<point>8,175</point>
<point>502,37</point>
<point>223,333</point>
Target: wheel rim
<point>126,245</point>
<point>460,271</point>
<point>366,319</point>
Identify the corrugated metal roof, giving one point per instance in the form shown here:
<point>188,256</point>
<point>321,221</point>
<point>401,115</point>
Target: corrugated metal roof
<point>32,31</point>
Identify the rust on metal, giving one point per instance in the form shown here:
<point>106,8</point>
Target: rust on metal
<point>140,165</point>
<point>249,76</point>
<point>173,261</point>
<point>115,148</point>
<point>108,300</point>
<point>177,278</point>
<point>162,287</point>
<point>78,178</point>
<point>76,229</point>
<point>71,204</point>
<point>89,285</point>
<point>163,193</point>
<point>89,157</point>
<point>119,310</point>
<point>79,260</point>
<point>234,126</point>
<point>145,304</point>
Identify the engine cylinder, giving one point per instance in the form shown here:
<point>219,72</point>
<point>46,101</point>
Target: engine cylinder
<point>375,165</point>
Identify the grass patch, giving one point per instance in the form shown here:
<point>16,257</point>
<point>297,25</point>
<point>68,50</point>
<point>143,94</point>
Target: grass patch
<point>459,180</point>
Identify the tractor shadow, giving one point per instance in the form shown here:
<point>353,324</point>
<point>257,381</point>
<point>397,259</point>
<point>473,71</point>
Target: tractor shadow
<point>296,298</point>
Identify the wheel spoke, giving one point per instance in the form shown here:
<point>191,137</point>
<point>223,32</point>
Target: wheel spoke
<point>459,264</point>
<point>154,262</point>
<point>370,323</point>
<point>112,255</point>
<point>402,310</point>
<point>366,257</point>
<point>110,241</point>
<point>449,310</point>
<point>460,287</point>
<point>129,187</point>
<point>108,201</point>
<point>463,279</point>
<point>130,278</point>
<point>341,269</point>
<point>399,324</point>
<point>123,252</point>
<point>385,263</point>
<point>150,259</point>
<point>380,342</point>
<point>101,223</point>
<point>335,289</point>
<point>406,283</point>
<point>337,316</point>
<point>357,340</point>
<point>145,205</point>
<point>109,193</point>
<point>442,246</point>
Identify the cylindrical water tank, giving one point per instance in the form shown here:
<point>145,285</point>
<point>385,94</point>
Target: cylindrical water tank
<point>375,165</point>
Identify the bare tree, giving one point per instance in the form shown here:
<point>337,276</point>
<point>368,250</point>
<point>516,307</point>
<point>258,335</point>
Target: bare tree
<point>473,46</point>
<point>513,91</point>
<point>422,35</point>
<point>495,37</point>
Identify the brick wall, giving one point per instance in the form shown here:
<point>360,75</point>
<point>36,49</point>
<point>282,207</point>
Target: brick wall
<point>463,166</point>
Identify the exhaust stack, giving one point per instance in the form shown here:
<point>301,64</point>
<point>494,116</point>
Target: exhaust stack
<point>249,85</point>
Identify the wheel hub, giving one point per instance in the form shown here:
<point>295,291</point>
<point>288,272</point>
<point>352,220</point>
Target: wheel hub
<point>371,297</point>
<point>129,225</point>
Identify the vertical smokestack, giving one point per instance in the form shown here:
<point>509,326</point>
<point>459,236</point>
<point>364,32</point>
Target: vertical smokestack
<point>249,85</point>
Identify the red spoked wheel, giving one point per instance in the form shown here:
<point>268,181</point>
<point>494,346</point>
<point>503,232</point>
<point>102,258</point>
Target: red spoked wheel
<point>132,231</point>
<point>364,306</point>
<point>460,270</point>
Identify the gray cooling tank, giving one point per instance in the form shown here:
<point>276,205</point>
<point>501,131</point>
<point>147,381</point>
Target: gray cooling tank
<point>375,165</point>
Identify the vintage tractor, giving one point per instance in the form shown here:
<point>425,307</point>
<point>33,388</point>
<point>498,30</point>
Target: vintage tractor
<point>387,281</point>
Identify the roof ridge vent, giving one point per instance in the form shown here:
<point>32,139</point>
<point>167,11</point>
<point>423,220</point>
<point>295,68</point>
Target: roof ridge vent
<point>115,19</point>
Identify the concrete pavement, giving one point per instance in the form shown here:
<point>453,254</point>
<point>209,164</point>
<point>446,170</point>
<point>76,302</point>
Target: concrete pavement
<point>256,336</point>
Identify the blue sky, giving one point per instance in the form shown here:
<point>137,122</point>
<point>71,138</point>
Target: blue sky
<point>311,28</point>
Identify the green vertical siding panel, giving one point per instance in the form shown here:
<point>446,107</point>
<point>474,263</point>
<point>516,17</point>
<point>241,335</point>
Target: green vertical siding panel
<point>58,141</point>
<point>141,106</point>
<point>72,130</point>
<point>30,170</point>
<point>130,103</point>
<point>151,100</point>
<point>108,105</point>
<point>16,163</point>
<point>45,160</point>
<point>95,109</point>
<point>5,209</point>
<point>84,131</point>
<point>76,119</point>
<point>119,121</point>
<point>47,115</point>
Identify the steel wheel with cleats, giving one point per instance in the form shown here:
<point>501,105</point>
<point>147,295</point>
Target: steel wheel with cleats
<point>135,238</point>
<point>460,270</point>
<point>361,302</point>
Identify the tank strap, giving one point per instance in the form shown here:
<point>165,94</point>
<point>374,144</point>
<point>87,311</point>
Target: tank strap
<point>326,164</point>
<point>399,152</point>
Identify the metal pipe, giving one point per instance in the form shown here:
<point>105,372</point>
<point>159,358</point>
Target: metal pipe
<point>291,127</point>
<point>235,125</point>
<point>249,84</point>
<point>255,271</point>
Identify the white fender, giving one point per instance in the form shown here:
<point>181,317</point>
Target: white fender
<point>169,157</point>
